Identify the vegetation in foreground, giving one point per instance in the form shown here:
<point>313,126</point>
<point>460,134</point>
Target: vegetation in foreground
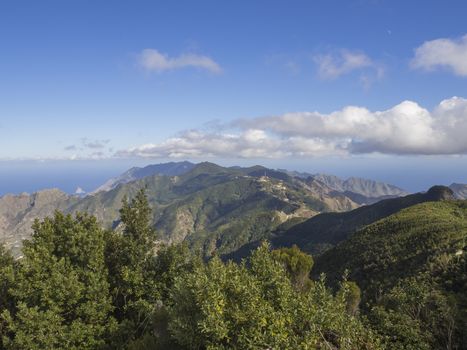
<point>81,287</point>
<point>412,271</point>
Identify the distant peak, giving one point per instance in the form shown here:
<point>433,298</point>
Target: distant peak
<point>455,184</point>
<point>80,191</point>
<point>136,173</point>
<point>439,192</point>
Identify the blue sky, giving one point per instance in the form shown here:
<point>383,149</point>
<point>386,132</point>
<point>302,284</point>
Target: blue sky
<point>147,81</point>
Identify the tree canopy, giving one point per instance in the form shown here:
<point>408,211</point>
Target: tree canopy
<point>78,286</point>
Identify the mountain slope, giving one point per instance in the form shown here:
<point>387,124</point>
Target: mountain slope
<point>327,229</point>
<point>365,187</point>
<point>362,191</point>
<point>217,208</point>
<point>460,190</point>
<point>412,270</point>
<point>400,245</point>
<point>169,169</point>
<point>365,191</point>
<point>17,213</point>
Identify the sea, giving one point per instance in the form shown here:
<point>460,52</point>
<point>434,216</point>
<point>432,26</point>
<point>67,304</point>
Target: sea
<point>69,176</point>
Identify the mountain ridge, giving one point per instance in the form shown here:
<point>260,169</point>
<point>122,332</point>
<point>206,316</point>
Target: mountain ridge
<point>460,190</point>
<point>203,203</point>
<point>136,173</point>
<point>328,229</point>
<point>360,186</point>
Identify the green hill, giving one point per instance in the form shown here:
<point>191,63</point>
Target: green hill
<point>323,231</point>
<point>412,269</point>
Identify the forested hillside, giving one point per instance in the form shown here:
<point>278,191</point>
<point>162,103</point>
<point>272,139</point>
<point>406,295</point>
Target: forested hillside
<point>412,271</point>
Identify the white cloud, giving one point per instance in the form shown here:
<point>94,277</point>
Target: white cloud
<point>446,53</point>
<point>197,144</point>
<point>332,66</point>
<point>406,128</point>
<point>154,61</point>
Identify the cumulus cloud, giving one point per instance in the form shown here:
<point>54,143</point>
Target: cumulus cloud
<point>334,65</point>
<point>442,53</point>
<point>194,143</point>
<point>406,128</point>
<point>154,61</point>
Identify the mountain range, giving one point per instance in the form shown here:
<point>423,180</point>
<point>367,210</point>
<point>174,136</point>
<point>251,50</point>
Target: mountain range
<point>212,207</point>
<point>225,209</point>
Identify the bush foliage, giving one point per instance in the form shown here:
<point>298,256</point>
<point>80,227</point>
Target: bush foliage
<point>78,286</point>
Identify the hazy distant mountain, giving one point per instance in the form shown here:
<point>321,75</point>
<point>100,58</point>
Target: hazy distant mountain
<point>363,191</point>
<point>136,173</point>
<point>360,190</point>
<point>294,173</point>
<point>460,190</point>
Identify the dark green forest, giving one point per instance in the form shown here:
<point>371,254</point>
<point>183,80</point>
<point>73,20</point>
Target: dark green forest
<point>398,283</point>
